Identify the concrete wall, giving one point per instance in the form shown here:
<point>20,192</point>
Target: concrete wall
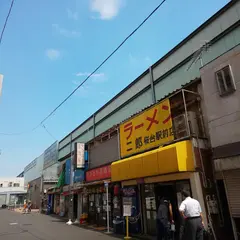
<point>223,113</point>
<point>50,173</point>
<point>4,183</point>
<point>34,193</point>
<point>169,74</point>
<point>35,171</point>
<point>104,152</point>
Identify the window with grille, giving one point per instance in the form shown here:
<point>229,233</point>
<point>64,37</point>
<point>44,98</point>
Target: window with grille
<point>225,81</point>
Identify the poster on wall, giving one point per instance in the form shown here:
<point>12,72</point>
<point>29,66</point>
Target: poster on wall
<point>79,150</point>
<point>147,130</point>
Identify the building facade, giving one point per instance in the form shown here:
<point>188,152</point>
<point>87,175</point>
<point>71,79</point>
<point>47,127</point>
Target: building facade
<point>41,174</point>
<point>49,175</point>
<point>163,136</point>
<point>12,191</point>
<point>221,82</point>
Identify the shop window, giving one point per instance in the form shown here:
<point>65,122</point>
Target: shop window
<point>225,81</point>
<point>16,185</point>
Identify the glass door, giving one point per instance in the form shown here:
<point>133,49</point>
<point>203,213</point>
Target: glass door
<point>151,210</point>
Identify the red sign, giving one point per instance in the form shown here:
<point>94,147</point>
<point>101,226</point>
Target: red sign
<point>98,173</point>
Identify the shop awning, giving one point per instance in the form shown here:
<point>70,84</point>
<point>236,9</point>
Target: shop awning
<point>177,157</point>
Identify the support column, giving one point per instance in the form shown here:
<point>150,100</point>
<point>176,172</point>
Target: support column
<point>70,210</point>
<point>94,133</point>
<point>152,85</point>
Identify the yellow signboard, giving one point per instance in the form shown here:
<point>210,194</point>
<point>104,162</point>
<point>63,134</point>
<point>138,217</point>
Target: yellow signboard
<point>147,130</point>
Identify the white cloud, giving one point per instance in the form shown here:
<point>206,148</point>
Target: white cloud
<point>72,15</point>
<point>132,59</point>
<point>136,60</point>
<point>53,54</point>
<point>83,91</point>
<point>148,59</point>
<point>96,77</point>
<point>107,9</point>
<point>65,32</point>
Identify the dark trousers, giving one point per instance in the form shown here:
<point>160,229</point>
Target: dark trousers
<point>193,229</point>
<point>162,230</point>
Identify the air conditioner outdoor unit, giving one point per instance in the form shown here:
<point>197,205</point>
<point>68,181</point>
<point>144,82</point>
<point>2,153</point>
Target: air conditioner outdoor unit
<point>180,125</point>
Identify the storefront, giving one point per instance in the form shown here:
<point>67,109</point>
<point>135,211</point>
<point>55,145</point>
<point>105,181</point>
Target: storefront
<point>56,206</point>
<point>228,179</point>
<point>148,172</point>
<point>96,196</point>
<point>64,201</point>
<point>150,178</point>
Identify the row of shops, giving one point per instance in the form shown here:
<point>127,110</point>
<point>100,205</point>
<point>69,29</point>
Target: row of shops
<point>179,141</point>
<point>132,182</point>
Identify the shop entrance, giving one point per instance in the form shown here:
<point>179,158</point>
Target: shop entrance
<point>168,191</point>
<point>172,192</point>
<point>227,224</point>
<point>75,206</point>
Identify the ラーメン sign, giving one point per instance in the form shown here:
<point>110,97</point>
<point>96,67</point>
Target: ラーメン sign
<point>147,130</point>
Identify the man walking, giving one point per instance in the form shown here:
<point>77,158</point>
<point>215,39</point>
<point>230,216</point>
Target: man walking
<point>191,211</point>
<point>164,219</point>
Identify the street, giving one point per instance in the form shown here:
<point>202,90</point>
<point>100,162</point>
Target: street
<point>37,226</point>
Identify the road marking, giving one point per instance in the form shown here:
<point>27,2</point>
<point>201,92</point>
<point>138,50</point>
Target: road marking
<point>13,223</point>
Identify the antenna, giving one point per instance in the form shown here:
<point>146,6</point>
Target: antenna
<point>198,54</point>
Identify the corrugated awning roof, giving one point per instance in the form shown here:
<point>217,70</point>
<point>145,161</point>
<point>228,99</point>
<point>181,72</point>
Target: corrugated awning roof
<point>166,96</point>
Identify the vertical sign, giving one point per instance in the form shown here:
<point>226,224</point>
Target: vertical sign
<point>147,130</point>
<point>79,153</point>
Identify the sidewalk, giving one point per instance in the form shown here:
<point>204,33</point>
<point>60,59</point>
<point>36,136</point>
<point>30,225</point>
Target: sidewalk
<point>100,229</point>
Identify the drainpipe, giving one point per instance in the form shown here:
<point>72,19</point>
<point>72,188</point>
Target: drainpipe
<point>152,85</point>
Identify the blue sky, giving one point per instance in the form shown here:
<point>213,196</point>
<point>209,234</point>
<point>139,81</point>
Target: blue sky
<point>49,47</point>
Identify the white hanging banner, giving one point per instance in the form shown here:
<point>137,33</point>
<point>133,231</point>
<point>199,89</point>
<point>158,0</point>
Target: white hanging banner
<point>79,149</point>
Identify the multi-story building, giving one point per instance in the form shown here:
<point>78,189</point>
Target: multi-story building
<point>221,88</point>
<point>12,191</point>
<point>41,174</point>
<point>33,180</point>
<point>50,175</point>
<point>153,138</point>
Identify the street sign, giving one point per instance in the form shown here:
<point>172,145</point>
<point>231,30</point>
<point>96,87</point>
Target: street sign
<point>127,206</point>
<point>127,210</point>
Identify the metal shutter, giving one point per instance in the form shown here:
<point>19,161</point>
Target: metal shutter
<point>232,180</point>
<point>3,198</point>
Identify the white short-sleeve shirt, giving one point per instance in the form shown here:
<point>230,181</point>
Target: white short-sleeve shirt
<point>190,207</point>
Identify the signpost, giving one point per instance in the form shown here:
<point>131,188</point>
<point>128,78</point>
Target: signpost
<point>106,186</point>
<point>127,212</point>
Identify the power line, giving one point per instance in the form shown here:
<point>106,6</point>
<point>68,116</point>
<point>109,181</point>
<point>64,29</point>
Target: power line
<point>96,69</point>
<point>6,21</point>
<point>49,132</point>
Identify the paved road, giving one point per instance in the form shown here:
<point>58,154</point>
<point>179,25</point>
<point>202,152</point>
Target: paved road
<point>17,226</point>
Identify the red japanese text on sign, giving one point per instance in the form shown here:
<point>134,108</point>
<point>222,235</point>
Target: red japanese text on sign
<point>98,174</point>
<point>147,130</point>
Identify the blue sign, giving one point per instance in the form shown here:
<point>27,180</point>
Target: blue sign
<point>78,175</point>
<point>68,172</point>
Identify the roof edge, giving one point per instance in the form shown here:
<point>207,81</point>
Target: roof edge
<point>195,32</point>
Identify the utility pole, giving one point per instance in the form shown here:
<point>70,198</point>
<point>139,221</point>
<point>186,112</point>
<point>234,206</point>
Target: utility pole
<point>70,211</point>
